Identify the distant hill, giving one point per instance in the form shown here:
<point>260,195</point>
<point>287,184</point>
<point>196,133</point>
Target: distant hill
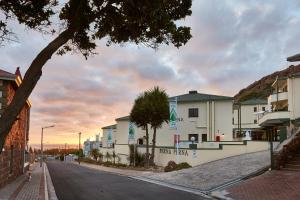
<point>261,89</point>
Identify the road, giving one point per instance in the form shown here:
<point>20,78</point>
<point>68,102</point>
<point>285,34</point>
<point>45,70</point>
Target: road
<point>74,182</point>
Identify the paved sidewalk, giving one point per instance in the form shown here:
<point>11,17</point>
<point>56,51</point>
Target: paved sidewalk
<point>204,177</point>
<point>210,175</point>
<point>273,185</point>
<point>120,171</point>
<point>22,189</point>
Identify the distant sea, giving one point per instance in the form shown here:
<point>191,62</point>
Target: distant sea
<point>53,146</point>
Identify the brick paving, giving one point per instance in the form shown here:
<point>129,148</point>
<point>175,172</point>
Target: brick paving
<point>22,189</point>
<point>273,185</point>
<point>210,175</point>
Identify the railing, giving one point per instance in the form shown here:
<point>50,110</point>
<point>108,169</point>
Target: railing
<point>287,150</point>
<point>278,96</point>
<point>274,115</point>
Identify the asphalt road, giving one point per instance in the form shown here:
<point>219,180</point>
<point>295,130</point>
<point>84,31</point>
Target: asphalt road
<point>74,182</point>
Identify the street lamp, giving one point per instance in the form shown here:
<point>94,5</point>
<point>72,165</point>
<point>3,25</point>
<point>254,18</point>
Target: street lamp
<point>45,127</point>
<point>79,152</point>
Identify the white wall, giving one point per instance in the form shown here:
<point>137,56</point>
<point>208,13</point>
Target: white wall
<point>164,155</point>
<point>294,97</point>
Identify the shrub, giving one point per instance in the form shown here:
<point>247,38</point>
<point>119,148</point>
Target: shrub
<point>134,154</point>
<point>172,166</point>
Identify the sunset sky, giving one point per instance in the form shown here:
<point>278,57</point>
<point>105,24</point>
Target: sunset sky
<point>234,43</point>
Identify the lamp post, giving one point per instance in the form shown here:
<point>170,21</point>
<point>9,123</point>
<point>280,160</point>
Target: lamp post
<point>79,135</point>
<point>42,136</point>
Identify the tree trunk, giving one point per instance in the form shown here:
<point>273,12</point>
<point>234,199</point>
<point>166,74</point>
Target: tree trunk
<point>30,80</point>
<point>147,146</point>
<point>153,146</point>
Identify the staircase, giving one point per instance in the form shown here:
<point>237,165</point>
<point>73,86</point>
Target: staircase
<point>293,164</point>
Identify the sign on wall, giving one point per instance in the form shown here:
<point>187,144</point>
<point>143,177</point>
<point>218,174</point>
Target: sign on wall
<point>173,114</point>
<point>109,136</point>
<point>131,132</point>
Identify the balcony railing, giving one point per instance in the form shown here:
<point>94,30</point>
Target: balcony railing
<point>278,97</point>
<point>274,117</point>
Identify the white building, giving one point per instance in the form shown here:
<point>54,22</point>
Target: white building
<point>88,146</point>
<point>246,115</point>
<point>284,116</point>
<point>205,117</point>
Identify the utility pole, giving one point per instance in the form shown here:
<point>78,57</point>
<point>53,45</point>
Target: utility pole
<point>42,145</point>
<point>65,152</point>
<point>79,148</point>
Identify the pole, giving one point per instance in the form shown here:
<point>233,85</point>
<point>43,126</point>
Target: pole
<point>79,148</point>
<point>177,135</point>
<point>41,160</point>
<point>134,155</point>
<point>65,152</point>
<point>271,149</point>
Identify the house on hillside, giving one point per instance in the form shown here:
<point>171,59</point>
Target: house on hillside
<point>283,119</point>
<point>14,159</point>
<point>246,115</point>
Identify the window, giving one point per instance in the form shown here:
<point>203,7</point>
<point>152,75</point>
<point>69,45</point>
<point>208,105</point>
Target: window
<point>193,112</point>
<point>255,121</point>
<point>195,136</point>
<point>263,108</point>
<point>233,120</point>
<point>204,137</point>
<point>255,109</point>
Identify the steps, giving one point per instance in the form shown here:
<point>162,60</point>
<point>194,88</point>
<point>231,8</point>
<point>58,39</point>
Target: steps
<point>294,163</point>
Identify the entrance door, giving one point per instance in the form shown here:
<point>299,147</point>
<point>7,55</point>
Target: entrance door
<point>204,137</point>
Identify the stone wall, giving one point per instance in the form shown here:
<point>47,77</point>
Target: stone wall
<point>12,158</point>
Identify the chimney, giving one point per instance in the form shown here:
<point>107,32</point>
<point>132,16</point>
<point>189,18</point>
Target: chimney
<point>18,73</point>
<point>193,92</point>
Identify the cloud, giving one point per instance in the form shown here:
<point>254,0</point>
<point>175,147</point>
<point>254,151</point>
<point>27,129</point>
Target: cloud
<point>234,43</point>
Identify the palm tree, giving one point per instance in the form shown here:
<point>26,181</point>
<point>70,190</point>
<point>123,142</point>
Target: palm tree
<point>95,154</point>
<point>158,103</point>
<point>139,115</point>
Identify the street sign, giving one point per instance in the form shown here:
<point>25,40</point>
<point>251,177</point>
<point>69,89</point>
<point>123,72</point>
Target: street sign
<point>131,132</point>
<point>173,114</point>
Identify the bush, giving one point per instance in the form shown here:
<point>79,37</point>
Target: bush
<point>172,166</point>
<point>139,158</point>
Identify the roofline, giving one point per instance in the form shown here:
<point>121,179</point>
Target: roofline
<point>108,127</point>
<point>18,82</point>
<point>123,118</point>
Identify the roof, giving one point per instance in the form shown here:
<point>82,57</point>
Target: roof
<point>110,127</point>
<point>297,74</point>
<point>194,96</point>
<point>4,75</point>
<point>126,118</point>
<point>254,102</point>
<point>294,58</point>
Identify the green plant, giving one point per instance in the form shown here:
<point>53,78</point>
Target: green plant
<point>107,156</point>
<point>172,166</point>
<point>135,156</point>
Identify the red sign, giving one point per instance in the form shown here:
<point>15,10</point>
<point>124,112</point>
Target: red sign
<point>176,139</point>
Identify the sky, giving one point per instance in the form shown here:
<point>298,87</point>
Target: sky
<point>235,42</point>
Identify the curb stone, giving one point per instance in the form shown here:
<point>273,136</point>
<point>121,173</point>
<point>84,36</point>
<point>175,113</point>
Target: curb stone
<point>49,188</point>
<point>177,187</point>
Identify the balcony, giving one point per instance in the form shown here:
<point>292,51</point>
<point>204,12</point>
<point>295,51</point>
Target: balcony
<point>281,97</point>
<point>275,118</point>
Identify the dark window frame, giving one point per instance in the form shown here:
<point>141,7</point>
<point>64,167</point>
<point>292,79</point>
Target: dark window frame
<point>193,112</point>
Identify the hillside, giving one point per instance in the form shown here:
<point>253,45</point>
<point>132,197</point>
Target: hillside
<point>262,88</point>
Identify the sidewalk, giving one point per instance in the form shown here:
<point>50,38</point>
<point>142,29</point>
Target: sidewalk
<point>273,185</point>
<point>209,176</point>
<point>124,172</point>
<point>22,189</point>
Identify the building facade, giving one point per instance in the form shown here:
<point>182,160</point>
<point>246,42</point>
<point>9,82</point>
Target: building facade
<point>246,115</point>
<point>283,118</point>
<point>205,118</point>
<point>89,145</point>
<point>14,159</point>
